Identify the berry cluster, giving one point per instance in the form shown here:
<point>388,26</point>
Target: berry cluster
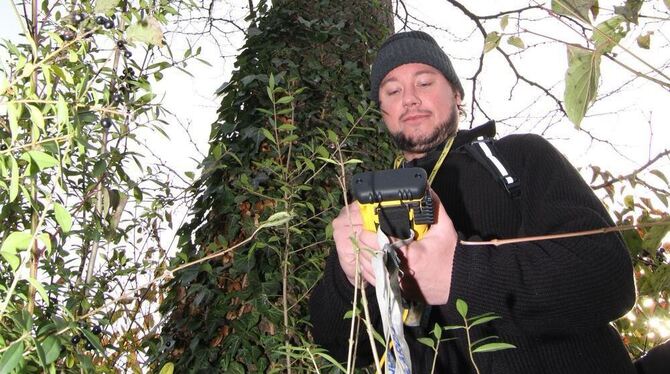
<point>96,330</point>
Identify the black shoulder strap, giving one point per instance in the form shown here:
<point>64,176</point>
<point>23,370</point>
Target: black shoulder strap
<point>483,150</point>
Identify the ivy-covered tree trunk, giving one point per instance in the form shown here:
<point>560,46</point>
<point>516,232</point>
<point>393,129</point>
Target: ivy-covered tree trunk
<point>294,118</point>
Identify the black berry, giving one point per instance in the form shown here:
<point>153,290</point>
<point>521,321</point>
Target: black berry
<point>77,18</point>
<point>89,346</point>
<point>106,122</point>
<point>75,339</point>
<point>129,72</point>
<point>3,147</point>
<point>121,44</point>
<point>127,54</point>
<point>109,24</point>
<point>117,98</point>
<point>96,330</point>
<point>100,20</point>
<point>67,35</point>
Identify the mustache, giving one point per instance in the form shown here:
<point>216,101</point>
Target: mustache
<point>413,112</point>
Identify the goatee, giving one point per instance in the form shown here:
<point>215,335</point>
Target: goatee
<point>426,143</point>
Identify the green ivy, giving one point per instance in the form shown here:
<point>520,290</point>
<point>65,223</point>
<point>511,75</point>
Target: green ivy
<point>293,119</point>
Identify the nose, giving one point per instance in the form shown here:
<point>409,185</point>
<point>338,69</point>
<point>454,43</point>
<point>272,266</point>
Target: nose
<point>410,97</point>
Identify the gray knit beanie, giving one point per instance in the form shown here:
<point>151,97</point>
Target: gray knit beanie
<point>408,47</point>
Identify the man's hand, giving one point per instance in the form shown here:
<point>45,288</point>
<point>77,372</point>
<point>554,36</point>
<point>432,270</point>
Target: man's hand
<point>347,230</point>
<point>428,263</point>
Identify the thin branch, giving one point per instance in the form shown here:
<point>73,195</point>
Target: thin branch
<point>634,172</point>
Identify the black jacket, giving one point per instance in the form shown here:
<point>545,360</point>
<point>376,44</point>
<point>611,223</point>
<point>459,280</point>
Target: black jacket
<point>555,298</point>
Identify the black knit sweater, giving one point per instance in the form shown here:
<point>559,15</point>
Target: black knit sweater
<point>555,297</point>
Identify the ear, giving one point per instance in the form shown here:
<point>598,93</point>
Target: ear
<point>457,98</point>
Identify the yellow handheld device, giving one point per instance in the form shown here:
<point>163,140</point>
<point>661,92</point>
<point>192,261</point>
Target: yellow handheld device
<point>397,201</point>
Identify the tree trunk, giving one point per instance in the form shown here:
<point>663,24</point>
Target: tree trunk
<point>298,98</point>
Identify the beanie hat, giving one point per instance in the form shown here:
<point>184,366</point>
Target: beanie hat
<point>410,47</point>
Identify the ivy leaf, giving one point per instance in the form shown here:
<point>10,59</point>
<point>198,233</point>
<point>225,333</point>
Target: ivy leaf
<point>11,358</point>
<point>581,82</point>
<point>492,347</point>
<point>146,31</point>
<point>41,159</point>
<point>608,34</point>
<point>63,217</point>
<point>462,308</point>
<point>492,41</point>
<point>644,41</point>
<point>104,6</point>
<point>516,41</point>
<point>575,8</point>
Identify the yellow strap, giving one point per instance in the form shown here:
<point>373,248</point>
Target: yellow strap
<point>447,147</point>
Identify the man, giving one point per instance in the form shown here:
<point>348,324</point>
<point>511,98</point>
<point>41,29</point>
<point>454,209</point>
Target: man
<point>555,298</point>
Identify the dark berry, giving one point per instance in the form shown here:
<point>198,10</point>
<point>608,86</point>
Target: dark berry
<point>3,147</point>
<point>96,330</point>
<point>121,44</point>
<point>67,35</point>
<point>89,346</point>
<point>109,24</point>
<point>77,18</point>
<point>106,122</point>
<point>117,98</point>
<point>100,20</point>
<point>75,339</point>
<point>129,72</point>
<point>127,54</point>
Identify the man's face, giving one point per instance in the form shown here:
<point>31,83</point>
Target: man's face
<point>419,107</point>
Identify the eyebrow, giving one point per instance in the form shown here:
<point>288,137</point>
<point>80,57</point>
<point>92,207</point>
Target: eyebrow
<point>420,72</point>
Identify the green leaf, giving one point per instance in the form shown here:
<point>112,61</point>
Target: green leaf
<point>427,341</point>
<point>644,41</point>
<point>516,41</point>
<point>437,331</point>
<point>62,112</point>
<point>93,339</point>
<point>285,99</point>
<point>653,237</point>
<point>104,6</point>
<point>36,116</point>
<point>504,21</point>
<point>660,175</point>
<point>492,347</point>
<point>630,11</point>
<point>492,41</point>
<point>51,348</point>
<point>41,159</point>
<point>99,168</point>
<point>13,114</point>
<point>667,4</point>
<point>581,82</point>
<point>482,320</point>
<point>11,358</point>
<point>40,289</point>
<point>16,240</point>
<point>575,8</point>
<point>168,368</point>
<point>462,308</point>
<point>277,219</point>
<point>14,182</point>
<point>63,217</point>
<point>146,31</point>
<point>608,34</point>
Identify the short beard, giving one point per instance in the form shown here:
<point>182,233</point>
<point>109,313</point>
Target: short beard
<point>429,142</point>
